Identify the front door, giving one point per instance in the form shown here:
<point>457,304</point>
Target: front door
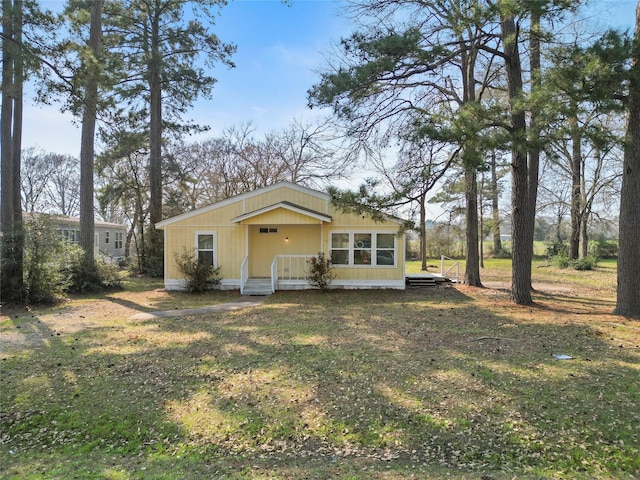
<point>267,241</point>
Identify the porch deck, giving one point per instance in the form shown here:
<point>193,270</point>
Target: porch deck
<point>426,279</point>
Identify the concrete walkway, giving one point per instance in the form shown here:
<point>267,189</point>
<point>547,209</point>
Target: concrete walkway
<point>242,302</point>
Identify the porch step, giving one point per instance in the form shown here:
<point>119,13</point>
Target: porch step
<point>257,287</point>
<point>426,280</point>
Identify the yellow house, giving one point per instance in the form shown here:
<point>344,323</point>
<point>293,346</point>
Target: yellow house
<point>263,239</point>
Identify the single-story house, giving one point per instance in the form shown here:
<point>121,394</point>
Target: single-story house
<point>268,235</point>
<point>108,237</point>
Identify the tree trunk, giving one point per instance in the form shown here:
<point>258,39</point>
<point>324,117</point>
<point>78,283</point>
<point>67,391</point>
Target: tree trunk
<point>521,228</point>
<point>155,149</point>
<point>481,226</point>
<point>576,188</point>
<point>584,237</point>
<point>533,166</point>
<point>11,281</point>
<point>495,208</point>
<point>472,270</point>
<point>628,299</point>
<point>87,145</point>
<point>423,231</point>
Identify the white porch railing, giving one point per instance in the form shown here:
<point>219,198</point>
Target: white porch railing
<point>446,273</point>
<point>289,267</point>
<point>274,274</point>
<point>244,274</point>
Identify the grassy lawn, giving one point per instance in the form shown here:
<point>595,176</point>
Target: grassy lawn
<point>426,383</point>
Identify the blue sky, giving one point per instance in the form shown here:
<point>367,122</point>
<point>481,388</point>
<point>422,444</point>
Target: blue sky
<point>280,49</point>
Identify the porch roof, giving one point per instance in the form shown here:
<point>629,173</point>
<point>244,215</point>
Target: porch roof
<point>291,207</point>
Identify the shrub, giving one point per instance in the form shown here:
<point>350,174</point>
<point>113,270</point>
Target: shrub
<point>561,261</point>
<point>44,279</point>
<point>82,274</point>
<point>556,248</point>
<point>604,249</point>
<point>587,263</point>
<point>320,271</point>
<point>504,252</point>
<point>109,274</point>
<point>199,276</point>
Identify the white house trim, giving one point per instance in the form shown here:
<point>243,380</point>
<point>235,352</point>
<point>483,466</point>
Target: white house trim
<point>286,206</point>
<point>243,197</point>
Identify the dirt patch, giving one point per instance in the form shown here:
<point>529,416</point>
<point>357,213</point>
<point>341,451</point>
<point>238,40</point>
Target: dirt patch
<point>26,328</point>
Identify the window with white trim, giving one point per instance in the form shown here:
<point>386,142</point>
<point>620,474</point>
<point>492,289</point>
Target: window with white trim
<point>106,237</point>
<point>117,244</point>
<point>363,249</point>
<point>205,248</point>
<point>69,234</point>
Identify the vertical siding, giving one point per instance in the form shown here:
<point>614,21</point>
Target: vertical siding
<point>304,238</point>
<point>285,194</point>
<point>263,247</point>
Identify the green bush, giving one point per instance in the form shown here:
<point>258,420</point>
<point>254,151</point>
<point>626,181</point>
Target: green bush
<point>604,249</point>
<point>200,276</point>
<point>560,261</point>
<point>53,267</point>
<point>587,263</point>
<point>83,274</point>
<point>320,271</point>
<point>44,278</point>
<point>556,248</point>
<point>110,276</point>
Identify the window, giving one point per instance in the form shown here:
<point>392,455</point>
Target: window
<point>385,249</point>
<point>340,248</point>
<point>268,230</point>
<point>117,244</point>
<point>206,248</point>
<point>106,237</point>
<point>71,235</point>
<point>363,249</point>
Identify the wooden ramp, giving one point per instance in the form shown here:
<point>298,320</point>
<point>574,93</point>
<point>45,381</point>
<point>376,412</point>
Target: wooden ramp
<point>425,279</point>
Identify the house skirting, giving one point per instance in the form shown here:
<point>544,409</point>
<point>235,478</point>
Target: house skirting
<point>234,284</point>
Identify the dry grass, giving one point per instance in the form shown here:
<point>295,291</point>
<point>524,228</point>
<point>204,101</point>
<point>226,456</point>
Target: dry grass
<point>348,384</point>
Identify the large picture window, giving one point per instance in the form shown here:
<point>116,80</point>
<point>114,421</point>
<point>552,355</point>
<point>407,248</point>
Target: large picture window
<point>206,245</point>
<point>363,249</point>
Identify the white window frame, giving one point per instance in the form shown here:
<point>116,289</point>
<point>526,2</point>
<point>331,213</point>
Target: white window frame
<point>373,248</point>
<point>118,240</point>
<point>215,245</point>
<point>106,238</point>
<point>71,235</point>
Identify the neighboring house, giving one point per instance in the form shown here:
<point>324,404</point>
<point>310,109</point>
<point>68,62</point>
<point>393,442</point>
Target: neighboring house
<point>108,237</point>
<point>271,233</point>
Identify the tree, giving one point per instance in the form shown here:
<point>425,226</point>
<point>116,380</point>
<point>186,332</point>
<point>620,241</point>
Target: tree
<point>420,166</point>
<point>63,187</point>
<point>93,67</point>
<point>124,188</point>
<point>393,75</point>
<point>628,300</point>
<point>11,283</point>
<point>34,178</point>
<point>581,132</point>
<point>161,52</point>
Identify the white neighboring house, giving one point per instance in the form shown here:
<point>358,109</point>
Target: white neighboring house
<point>109,237</point>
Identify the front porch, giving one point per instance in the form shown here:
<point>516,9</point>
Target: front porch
<point>287,272</point>
<point>290,272</point>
